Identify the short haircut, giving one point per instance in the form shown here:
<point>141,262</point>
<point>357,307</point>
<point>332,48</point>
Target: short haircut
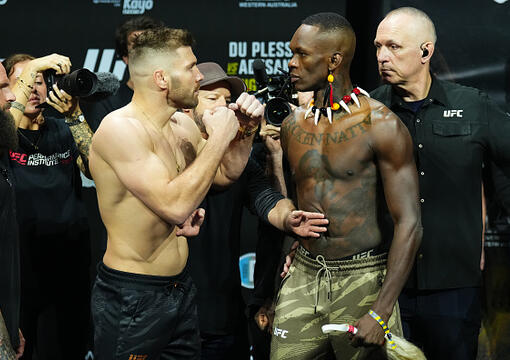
<point>160,40</point>
<point>328,22</point>
<point>419,14</point>
<point>13,59</point>
<point>139,23</point>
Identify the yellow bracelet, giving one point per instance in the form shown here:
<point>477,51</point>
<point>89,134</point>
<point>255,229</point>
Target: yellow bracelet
<point>387,333</point>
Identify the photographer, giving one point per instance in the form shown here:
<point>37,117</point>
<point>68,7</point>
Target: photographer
<point>53,230</point>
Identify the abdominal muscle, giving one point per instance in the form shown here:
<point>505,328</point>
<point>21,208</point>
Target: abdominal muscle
<point>140,242</point>
<point>352,215</point>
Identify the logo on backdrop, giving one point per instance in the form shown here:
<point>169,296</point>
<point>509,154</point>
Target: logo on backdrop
<point>246,269</point>
<point>106,62</point>
<point>129,7</point>
<point>241,54</point>
<point>272,4</point>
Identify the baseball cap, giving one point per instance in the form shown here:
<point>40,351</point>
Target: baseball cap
<point>213,73</point>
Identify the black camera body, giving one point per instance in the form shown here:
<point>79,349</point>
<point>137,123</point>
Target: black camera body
<point>275,91</point>
<point>81,82</point>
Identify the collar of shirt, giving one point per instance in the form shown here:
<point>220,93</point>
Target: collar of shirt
<point>436,94</point>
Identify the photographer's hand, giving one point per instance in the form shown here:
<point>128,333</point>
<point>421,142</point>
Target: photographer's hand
<point>26,80</point>
<point>60,63</point>
<point>69,106</point>
<point>62,101</point>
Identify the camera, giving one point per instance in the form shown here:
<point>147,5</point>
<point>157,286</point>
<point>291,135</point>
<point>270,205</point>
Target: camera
<point>275,91</point>
<point>81,82</point>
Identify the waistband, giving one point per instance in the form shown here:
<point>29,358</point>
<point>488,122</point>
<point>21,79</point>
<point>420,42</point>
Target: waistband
<point>361,255</point>
<point>140,281</point>
<point>357,265</point>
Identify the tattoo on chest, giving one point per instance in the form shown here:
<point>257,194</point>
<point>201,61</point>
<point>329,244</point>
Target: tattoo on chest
<point>292,128</point>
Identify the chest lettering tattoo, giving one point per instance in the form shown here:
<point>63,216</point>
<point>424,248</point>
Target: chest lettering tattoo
<point>307,138</point>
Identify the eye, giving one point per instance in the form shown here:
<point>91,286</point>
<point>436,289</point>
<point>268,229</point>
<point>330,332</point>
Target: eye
<point>394,47</point>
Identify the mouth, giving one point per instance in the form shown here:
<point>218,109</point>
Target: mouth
<point>294,78</point>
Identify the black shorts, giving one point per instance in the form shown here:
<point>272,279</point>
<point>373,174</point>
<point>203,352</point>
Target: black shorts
<point>144,317</point>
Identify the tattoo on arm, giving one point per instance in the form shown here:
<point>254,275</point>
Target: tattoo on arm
<point>6,350</point>
<point>82,135</point>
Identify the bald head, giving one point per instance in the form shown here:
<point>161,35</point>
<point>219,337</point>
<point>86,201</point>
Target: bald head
<point>404,44</point>
<point>415,21</point>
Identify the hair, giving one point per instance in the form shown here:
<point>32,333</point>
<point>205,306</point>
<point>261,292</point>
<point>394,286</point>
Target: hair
<point>13,59</point>
<point>139,23</point>
<point>418,14</point>
<point>160,39</point>
<point>328,22</point>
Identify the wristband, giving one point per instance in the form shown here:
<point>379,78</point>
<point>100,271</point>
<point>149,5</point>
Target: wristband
<point>247,132</point>
<point>387,333</point>
<point>75,119</point>
<point>18,106</point>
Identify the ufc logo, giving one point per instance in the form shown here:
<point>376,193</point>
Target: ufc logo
<point>18,157</point>
<point>453,113</point>
<point>138,357</point>
<point>280,332</point>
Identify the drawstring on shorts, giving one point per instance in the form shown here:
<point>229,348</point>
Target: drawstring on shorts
<point>327,272</point>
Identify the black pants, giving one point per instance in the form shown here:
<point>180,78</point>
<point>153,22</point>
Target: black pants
<point>144,317</point>
<point>444,323</point>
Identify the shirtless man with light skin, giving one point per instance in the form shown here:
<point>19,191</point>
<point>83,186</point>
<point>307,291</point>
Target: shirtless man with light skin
<point>337,166</point>
<point>152,169</point>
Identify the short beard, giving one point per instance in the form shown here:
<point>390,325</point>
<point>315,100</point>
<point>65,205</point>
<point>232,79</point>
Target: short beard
<point>8,135</point>
<point>198,121</point>
<point>181,97</point>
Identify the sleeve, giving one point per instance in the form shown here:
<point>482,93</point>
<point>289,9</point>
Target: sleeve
<point>499,135</point>
<point>261,196</point>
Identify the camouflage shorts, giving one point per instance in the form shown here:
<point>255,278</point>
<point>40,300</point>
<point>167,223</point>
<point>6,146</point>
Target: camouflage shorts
<point>308,299</point>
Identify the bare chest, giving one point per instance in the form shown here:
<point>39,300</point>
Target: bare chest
<point>174,150</point>
<point>340,150</point>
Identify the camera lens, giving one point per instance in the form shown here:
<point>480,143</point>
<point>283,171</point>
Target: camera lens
<point>81,82</point>
<point>277,109</point>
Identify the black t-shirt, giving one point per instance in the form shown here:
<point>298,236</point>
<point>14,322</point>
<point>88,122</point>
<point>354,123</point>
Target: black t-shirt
<point>9,254</point>
<point>47,178</point>
<point>95,112</point>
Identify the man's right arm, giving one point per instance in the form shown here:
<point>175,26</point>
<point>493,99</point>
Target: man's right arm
<point>125,146</point>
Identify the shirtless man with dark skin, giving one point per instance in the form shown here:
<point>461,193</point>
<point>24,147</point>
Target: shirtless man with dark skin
<point>336,165</point>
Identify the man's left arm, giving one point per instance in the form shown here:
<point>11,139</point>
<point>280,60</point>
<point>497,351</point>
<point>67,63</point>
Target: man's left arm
<point>392,146</point>
<point>272,207</point>
<point>249,112</point>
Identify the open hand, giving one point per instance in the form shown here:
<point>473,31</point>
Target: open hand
<point>191,227</point>
<point>306,224</point>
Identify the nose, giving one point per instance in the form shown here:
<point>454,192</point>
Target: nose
<point>382,54</point>
<point>222,101</point>
<point>292,62</point>
<point>200,76</point>
<point>8,94</point>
